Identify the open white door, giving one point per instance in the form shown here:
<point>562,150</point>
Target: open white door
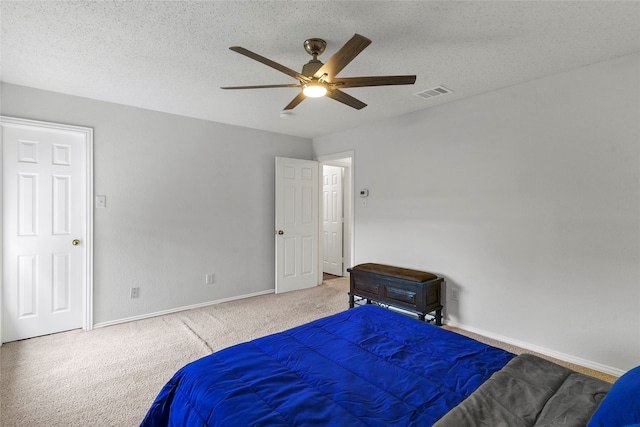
<point>332,220</point>
<point>296,224</point>
<point>344,160</point>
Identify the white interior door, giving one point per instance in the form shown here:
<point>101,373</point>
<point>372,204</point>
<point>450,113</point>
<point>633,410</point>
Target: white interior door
<point>44,230</point>
<point>297,224</point>
<point>332,220</point>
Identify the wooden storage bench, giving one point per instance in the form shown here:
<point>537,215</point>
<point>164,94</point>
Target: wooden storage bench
<point>411,290</point>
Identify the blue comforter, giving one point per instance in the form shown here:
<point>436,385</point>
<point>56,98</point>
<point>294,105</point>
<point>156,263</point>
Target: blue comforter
<point>363,367</point>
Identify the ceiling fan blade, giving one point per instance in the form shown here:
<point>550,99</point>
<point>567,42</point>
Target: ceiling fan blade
<point>349,100</point>
<point>372,81</point>
<point>295,101</point>
<point>261,86</point>
<point>266,61</point>
<point>341,58</point>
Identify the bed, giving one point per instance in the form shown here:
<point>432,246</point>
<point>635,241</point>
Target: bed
<point>373,367</point>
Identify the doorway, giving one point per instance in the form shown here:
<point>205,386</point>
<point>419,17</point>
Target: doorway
<point>337,212</point>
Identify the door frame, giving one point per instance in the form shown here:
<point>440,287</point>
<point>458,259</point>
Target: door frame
<point>348,234</point>
<point>87,133</point>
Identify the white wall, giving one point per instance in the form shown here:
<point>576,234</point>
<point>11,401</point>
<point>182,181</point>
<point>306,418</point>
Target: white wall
<point>527,199</point>
<point>185,197</point>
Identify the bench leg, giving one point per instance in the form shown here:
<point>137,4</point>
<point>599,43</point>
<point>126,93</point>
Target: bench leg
<point>439,317</point>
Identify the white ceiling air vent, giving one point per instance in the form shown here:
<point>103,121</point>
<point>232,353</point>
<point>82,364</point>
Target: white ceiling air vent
<point>433,92</point>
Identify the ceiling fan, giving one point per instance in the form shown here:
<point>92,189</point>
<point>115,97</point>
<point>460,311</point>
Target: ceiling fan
<point>318,79</point>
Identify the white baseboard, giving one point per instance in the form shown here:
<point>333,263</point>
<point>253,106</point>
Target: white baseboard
<point>547,352</point>
<point>176,310</point>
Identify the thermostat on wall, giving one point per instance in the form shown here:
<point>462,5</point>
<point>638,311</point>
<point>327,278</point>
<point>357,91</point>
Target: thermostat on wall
<point>364,193</point>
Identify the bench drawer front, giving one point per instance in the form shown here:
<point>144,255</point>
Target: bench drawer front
<point>365,286</point>
<point>403,294</point>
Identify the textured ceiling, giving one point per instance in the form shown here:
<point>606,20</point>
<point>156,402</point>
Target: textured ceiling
<point>174,56</point>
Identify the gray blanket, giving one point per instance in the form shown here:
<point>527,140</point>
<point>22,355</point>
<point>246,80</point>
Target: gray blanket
<point>530,391</point>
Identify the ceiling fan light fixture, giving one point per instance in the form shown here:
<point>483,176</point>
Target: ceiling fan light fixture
<point>314,90</point>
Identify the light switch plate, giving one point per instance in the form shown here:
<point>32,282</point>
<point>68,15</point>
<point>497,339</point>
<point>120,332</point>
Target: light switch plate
<point>101,201</point>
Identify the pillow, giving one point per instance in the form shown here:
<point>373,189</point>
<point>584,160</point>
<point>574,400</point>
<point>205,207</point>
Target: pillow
<point>621,406</point>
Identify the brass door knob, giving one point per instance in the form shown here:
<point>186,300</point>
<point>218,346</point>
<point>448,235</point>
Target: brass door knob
<point>280,232</point>
<point>75,242</point>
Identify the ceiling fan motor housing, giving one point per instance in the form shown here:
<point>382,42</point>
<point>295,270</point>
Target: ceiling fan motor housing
<point>310,68</point>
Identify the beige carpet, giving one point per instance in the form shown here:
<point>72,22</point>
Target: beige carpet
<point>110,376</point>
